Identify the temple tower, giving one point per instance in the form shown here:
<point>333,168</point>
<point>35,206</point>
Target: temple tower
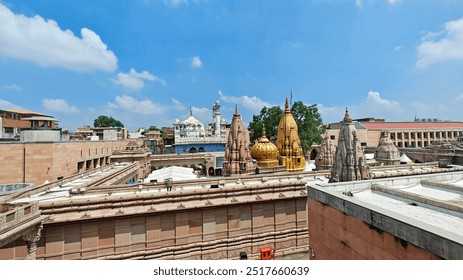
<point>349,161</point>
<point>387,153</point>
<point>237,153</point>
<point>288,142</point>
<point>325,157</point>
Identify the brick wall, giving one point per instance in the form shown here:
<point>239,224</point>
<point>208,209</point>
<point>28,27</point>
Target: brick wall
<point>337,236</point>
<point>37,162</point>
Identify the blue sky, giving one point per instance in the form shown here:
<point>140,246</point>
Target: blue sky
<point>147,62</point>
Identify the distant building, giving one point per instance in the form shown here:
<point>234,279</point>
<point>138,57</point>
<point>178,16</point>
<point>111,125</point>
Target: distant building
<point>402,134</point>
<point>191,136</point>
<point>16,124</point>
<point>100,133</point>
<point>136,134</point>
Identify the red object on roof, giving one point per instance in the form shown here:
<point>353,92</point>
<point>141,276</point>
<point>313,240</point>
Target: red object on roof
<point>266,253</point>
<point>412,125</point>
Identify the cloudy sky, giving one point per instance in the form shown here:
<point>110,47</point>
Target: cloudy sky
<point>147,62</point>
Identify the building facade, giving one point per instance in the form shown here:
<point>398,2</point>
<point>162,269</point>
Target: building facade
<point>13,121</point>
<point>35,162</point>
<point>402,134</point>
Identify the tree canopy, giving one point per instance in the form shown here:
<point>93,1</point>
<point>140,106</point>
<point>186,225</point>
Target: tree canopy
<point>268,118</point>
<point>307,118</point>
<point>105,121</point>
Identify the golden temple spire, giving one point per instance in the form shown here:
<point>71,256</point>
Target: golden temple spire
<point>287,106</point>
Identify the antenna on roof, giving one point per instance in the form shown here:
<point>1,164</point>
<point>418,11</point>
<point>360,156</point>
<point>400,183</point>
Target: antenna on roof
<point>291,96</point>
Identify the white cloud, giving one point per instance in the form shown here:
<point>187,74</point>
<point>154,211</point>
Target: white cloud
<point>130,104</point>
<point>196,62</point>
<point>59,106</point>
<point>202,114</point>
<point>398,48</point>
<point>175,3</point>
<point>45,43</point>
<point>359,3</point>
<point>293,44</point>
<point>178,105</point>
<point>13,87</point>
<point>460,97</point>
<point>448,47</point>
<point>253,103</point>
<point>8,105</point>
<point>372,106</point>
<point>134,81</point>
<point>374,98</point>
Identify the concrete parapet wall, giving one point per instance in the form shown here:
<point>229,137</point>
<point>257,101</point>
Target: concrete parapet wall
<point>197,224</point>
<point>343,228</point>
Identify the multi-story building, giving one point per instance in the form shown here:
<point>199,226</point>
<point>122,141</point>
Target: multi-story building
<point>13,121</point>
<point>100,133</point>
<point>403,134</point>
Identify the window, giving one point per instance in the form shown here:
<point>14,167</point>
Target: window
<point>8,130</point>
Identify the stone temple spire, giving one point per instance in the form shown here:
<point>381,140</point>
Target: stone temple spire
<point>237,152</point>
<point>349,159</point>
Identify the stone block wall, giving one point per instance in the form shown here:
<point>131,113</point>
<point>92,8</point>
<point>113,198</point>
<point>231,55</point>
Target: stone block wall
<point>37,162</point>
<point>201,233</point>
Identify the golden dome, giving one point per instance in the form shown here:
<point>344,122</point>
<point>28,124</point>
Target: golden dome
<point>265,152</point>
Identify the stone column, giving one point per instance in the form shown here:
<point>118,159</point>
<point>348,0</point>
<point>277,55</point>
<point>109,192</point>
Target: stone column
<point>31,238</point>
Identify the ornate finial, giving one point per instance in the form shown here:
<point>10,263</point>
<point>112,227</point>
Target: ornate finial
<point>191,112</point>
<point>263,132</point>
<point>236,109</point>
<point>347,118</point>
<point>286,105</point>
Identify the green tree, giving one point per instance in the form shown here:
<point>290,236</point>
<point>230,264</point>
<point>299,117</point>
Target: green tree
<point>268,117</point>
<point>308,120</point>
<point>105,121</point>
<point>309,123</point>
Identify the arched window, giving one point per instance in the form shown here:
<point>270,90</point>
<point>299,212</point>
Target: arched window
<point>192,150</point>
<point>201,150</point>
